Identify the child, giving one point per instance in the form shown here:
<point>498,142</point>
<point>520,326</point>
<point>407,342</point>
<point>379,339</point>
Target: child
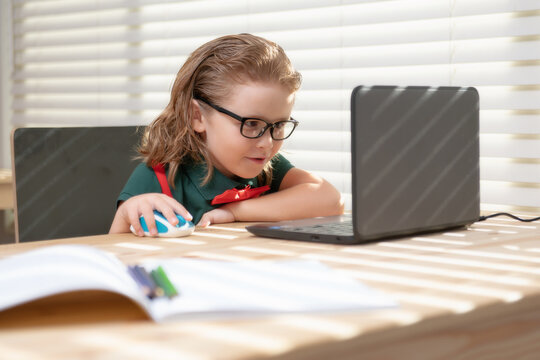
<point>219,137</point>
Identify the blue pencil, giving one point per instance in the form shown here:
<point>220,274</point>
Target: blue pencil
<point>144,280</point>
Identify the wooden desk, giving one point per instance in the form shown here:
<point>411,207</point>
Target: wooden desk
<point>470,294</point>
<point>6,189</point>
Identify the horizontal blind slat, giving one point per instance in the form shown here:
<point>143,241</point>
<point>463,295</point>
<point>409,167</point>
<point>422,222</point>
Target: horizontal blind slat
<point>483,27</point>
<point>330,141</point>
<point>193,18</point>
<point>104,69</point>
<point>494,192</point>
<point>94,84</point>
<point>329,100</point>
<point>510,146</point>
<point>509,122</point>
<point>501,73</point>
<point>87,117</point>
<point>97,101</point>
<point>318,160</point>
<point>462,51</point>
<point>510,170</point>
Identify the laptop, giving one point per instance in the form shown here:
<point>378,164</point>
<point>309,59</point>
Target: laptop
<point>415,167</point>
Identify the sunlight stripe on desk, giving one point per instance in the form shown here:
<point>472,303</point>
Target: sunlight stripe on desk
<point>455,234</point>
<point>501,294</point>
<point>446,260</point>
<point>337,329</point>
<point>214,256</point>
<point>493,231</point>
<point>454,305</point>
<point>243,230</point>
<point>249,338</point>
<point>512,247</point>
<point>441,241</point>
<point>219,236</point>
<point>260,250</point>
<point>507,225</point>
<point>476,253</point>
<point>183,241</point>
<point>303,245</point>
<point>401,317</point>
<point>138,246</point>
<point>122,347</point>
<point>518,248</point>
<point>16,352</point>
<point>420,269</point>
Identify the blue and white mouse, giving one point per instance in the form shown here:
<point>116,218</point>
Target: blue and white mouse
<point>164,227</point>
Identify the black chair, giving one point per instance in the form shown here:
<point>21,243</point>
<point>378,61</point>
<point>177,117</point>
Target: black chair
<point>67,179</point>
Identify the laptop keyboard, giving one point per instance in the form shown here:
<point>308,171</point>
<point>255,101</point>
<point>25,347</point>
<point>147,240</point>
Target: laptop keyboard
<point>341,228</point>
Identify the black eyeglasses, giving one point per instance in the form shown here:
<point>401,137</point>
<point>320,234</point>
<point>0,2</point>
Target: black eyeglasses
<point>253,128</point>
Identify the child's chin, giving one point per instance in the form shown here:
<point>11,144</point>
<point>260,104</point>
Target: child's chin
<point>249,174</point>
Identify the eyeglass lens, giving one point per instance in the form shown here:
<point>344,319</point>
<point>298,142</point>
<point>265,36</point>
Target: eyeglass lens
<point>253,128</point>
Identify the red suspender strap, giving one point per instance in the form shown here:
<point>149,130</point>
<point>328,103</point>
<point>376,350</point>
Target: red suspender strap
<point>162,178</point>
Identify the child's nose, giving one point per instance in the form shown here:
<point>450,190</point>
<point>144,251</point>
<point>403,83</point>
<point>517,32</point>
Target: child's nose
<point>265,140</point>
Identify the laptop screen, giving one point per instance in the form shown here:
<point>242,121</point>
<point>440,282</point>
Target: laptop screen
<point>415,159</point>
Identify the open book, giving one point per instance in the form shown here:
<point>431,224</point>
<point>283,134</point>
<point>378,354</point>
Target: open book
<point>204,286</point>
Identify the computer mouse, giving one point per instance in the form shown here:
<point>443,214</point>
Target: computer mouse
<point>165,229</point>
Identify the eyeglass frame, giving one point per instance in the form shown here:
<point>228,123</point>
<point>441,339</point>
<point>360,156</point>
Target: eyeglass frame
<point>242,119</point>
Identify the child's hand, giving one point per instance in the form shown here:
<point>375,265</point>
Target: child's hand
<point>129,212</point>
<point>217,216</point>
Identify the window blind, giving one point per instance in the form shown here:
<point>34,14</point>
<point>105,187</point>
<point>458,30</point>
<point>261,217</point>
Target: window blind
<point>112,62</point>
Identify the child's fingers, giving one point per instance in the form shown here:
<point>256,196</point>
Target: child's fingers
<point>169,214</point>
<point>178,209</point>
<point>169,207</point>
<point>205,220</point>
<point>133,218</point>
<point>216,216</point>
<point>148,215</point>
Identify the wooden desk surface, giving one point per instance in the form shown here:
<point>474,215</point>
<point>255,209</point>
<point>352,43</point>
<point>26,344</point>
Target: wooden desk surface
<point>6,189</point>
<point>469,294</point>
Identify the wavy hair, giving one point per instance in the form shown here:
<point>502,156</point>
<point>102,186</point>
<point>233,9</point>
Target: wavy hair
<point>210,72</point>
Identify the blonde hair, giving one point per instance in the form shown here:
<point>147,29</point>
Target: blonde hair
<point>209,73</point>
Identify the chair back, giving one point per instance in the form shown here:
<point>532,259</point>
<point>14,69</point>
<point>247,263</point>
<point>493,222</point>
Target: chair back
<point>67,179</point>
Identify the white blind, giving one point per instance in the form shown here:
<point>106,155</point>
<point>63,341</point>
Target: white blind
<point>112,62</point>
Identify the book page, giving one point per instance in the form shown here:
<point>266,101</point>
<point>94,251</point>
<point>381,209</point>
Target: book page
<point>260,287</point>
<point>63,268</point>
<point>206,287</point>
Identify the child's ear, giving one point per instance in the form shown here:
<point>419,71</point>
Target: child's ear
<point>197,117</point>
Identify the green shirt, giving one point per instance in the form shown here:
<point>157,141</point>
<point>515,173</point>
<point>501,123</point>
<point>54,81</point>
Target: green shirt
<point>189,192</point>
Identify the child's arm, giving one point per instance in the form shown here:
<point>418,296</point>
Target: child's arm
<point>301,195</point>
<point>129,211</point>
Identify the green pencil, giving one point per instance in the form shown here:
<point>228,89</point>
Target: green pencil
<point>161,279</point>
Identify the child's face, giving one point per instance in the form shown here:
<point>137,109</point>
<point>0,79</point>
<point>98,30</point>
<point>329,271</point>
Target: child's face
<point>232,153</point>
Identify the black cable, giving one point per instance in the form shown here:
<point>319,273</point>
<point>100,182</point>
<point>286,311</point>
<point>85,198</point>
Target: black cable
<point>482,218</point>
